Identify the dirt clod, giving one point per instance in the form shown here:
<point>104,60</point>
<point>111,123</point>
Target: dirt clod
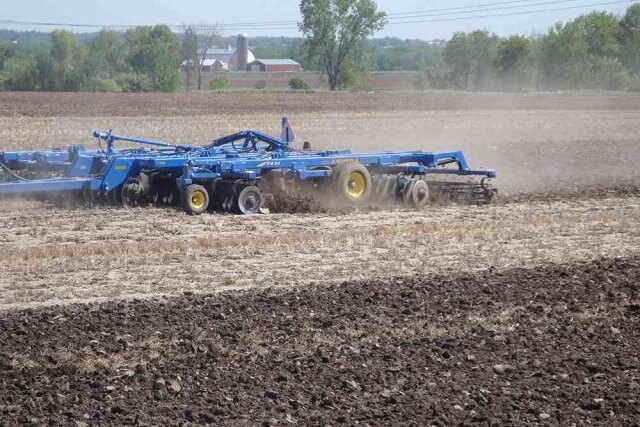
<point>503,369</point>
<point>368,355</point>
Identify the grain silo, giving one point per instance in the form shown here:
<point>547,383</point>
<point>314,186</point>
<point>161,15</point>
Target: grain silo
<point>243,51</point>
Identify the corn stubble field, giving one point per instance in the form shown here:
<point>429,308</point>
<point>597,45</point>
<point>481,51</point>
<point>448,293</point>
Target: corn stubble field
<point>525,311</point>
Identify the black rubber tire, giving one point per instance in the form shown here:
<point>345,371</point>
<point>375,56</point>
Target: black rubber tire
<point>215,195</point>
<point>340,183</point>
<point>195,199</point>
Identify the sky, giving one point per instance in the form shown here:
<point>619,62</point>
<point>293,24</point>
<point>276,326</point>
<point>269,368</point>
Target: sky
<point>442,23</point>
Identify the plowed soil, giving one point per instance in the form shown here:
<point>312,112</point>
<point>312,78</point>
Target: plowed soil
<point>554,346</point>
<point>42,104</point>
<point>523,312</point>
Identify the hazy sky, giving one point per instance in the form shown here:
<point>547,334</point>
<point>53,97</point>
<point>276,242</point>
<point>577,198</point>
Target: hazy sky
<point>250,11</point>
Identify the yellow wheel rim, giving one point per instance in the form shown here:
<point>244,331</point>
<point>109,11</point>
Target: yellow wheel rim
<point>356,184</point>
<point>198,199</point>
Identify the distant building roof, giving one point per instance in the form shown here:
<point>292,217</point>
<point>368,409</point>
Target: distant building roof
<point>218,54</point>
<point>277,61</point>
<point>209,62</point>
<point>218,50</point>
<point>224,55</point>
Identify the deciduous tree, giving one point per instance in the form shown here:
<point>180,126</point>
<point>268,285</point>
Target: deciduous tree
<point>155,52</point>
<point>189,58</point>
<point>601,32</point>
<point>67,56</point>
<point>195,45</point>
<point>630,36</point>
<point>333,27</point>
<point>513,62</point>
<point>18,74</point>
<point>470,57</point>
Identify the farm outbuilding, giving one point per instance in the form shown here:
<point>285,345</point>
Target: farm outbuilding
<point>214,65</point>
<point>215,59</point>
<point>223,59</point>
<point>275,66</point>
<point>240,58</point>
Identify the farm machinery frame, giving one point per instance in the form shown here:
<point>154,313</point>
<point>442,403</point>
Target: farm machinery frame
<point>233,173</point>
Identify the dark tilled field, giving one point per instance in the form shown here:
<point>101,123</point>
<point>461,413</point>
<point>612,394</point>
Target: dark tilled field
<point>553,345</point>
<point>43,104</point>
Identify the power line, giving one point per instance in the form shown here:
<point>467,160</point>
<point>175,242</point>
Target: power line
<point>391,16</point>
<point>458,7</point>
<point>411,20</point>
<point>513,13</point>
<point>472,9</point>
<point>394,18</point>
<point>424,15</point>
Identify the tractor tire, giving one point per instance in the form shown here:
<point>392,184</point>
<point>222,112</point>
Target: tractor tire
<point>351,183</point>
<point>195,199</point>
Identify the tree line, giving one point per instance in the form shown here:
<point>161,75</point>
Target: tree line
<point>143,59</point>
<point>596,50</point>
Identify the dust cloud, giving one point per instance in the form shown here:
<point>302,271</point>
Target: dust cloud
<point>537,142</point>
<point>532,150</point>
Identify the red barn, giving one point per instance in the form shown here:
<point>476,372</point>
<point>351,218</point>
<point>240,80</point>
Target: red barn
<point>275,66</point>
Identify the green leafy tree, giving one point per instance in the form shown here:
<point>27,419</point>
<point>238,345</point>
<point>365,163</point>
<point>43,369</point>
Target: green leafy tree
<point>134,82</point>
<point>564,53</point>
<point>64,46</point>
<point>513,62</point>
<point>484,46</point>
<point>45,72</point>
<point>537,60</point>
<point>333,27</point>
<point>7,50</point>
<point>106,54</point>
<point>601,32</point>
<point>99,83</point>
<point>608,73</point>
<point>457,55</point>
<point>154,52</point>
<point>392,54</point>
<point>630,37</point>
<point>103,63</point>
<point>422,82</point>
<point>348,75</point>
<point>470,57</point>
<point>189,58</point>
<point>357,63</point>
<point>67,56</point>
<point>436,76</point>
<point>218,83</point>
<point>18,74</point>
<point>297,83</point>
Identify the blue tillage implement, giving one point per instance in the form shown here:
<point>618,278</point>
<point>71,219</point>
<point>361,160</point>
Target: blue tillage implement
<point>233,173</point>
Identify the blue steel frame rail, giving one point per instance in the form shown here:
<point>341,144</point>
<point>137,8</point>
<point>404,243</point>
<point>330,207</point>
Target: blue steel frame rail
<point>307,166</point>
<point>259,153</point>
<point>50,160</point>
